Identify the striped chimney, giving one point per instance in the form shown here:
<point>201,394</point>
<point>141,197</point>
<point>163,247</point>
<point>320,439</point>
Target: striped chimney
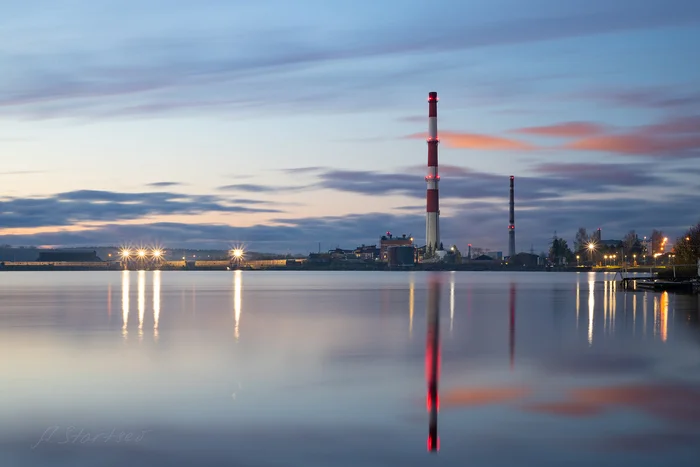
<point>511,225</point>
<point>432,218</point>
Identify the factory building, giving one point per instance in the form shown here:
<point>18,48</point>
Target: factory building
<point>367,253</point>
<point>387,241</point>
<point>72,256</point>
<point>401,256</point>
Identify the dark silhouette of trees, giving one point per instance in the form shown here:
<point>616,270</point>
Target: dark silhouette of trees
<point>559,249</point>
<point>687,247</point>
<point>582,239</point>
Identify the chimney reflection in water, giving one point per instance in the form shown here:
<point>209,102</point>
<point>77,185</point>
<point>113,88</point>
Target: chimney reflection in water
<point>125,302</point>
<point>432,362</point>
<point>237,279</point>
<point>512,325</point>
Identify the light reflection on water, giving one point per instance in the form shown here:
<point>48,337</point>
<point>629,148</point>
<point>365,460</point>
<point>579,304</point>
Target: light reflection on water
<point>328,356</point>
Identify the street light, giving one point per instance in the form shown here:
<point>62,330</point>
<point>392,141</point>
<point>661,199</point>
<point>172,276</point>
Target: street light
<point>591,248</point>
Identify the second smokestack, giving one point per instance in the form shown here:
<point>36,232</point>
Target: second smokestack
<point>511,225</point>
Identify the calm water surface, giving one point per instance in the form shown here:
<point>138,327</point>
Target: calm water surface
<point>329,369</point>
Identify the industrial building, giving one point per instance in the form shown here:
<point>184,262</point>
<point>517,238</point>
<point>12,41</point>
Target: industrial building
<point>401,256</point>
<point>72,256</point>
<point>387,241</point>
<point>367,253</point>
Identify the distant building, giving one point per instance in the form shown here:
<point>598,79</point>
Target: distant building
<point>340,254</point>
<point>389,240</point>
<point>525,260</point>
<point>71,256</point>
<point>495,254</point>
<point>401,256</point>
<point>597,236</point>
<point>610,243</point>
<point>367,253</point>
<point>319,258</point>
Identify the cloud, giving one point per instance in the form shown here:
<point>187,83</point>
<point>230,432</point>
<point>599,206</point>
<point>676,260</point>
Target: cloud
<point>82,206</point>
<point>621,175</point>
<point>564,130</point>
<point>458,140</point>
<point>164,184</point>
<point>22,172</point>
<point>657,97</point>
<point>302,170</point>
<point>197,71</point>
<point>258,188</point>
<point>674,138</point>
<point>559,197</point>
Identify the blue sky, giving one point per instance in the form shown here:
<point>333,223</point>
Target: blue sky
<point>282,124</point>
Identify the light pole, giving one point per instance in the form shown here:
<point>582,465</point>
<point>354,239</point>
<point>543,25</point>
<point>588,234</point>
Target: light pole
<point>578,260</point>
<point>591,247</point>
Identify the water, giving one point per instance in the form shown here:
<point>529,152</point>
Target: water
<point>329,369</point>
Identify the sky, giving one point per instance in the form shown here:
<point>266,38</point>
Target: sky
<point>281,125</point>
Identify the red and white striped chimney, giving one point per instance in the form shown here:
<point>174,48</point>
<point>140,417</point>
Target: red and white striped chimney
<point>432,218</point>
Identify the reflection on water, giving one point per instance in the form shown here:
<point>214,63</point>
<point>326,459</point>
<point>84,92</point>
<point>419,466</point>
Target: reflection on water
<point>578,302</point>
<point>237,289</point>
<point>327,358</point>
<point>512,325</point>
<point>591,306</point>
<point>125,303</point>
<point>452,301</point>
<point>141,300</point>
<point>411,302</point>
<point>432,362</point>
<point>156,303</point>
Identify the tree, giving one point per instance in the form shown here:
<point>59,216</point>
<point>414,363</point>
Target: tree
<point>457,254</point>
<point>657,240</point>
<point>629,240</point>
<point>687,247</point>
<point>582,239</point>
<point>559,249</point>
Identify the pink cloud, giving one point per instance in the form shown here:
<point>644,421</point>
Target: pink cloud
<point>679,137</point>
<point>564,130</point>
<point>457,140</point>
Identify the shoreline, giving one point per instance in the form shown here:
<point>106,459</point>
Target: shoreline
<point>340,267</point>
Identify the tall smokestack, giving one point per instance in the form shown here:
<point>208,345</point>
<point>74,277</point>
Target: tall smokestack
<point>432,217</point>
<point>511,226</point>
